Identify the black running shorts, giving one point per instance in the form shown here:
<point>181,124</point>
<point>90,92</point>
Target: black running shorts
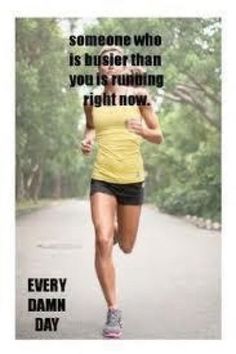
<point>130,193</point>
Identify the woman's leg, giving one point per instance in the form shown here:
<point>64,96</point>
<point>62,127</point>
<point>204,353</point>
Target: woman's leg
<point>103,209</point>
<point>126,230</point>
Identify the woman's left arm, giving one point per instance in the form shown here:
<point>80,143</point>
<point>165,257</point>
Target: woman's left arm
<point>151,130</point>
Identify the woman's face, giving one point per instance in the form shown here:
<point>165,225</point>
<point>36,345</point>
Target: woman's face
<point>110,70</point>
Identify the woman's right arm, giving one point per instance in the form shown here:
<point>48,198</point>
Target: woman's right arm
<point>89,133</point>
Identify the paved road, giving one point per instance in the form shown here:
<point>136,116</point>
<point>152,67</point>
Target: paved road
<point>169,286</point>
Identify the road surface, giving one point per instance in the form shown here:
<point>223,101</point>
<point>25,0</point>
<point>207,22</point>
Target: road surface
<point>169,287</point>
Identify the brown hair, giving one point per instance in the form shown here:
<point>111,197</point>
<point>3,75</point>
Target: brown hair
<point>129,69</point>
<point>110,48</point>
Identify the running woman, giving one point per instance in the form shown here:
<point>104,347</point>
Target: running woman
<point>117,181</point>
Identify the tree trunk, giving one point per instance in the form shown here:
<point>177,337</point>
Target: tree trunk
<point>56,188</point>
<point>20,189</point>
<point>37,184</point>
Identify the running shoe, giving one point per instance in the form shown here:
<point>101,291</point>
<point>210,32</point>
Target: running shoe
<point>113,325</point>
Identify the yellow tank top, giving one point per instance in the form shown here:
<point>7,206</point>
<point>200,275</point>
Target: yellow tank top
<point>118,158</point>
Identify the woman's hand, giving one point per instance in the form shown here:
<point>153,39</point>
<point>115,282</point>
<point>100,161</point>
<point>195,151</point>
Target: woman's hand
<point>134,125</point>
<point>87,146</point>
<point>139,127</point>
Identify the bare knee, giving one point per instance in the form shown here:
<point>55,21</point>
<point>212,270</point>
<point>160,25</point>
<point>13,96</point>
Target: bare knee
<point>126,248</point>
<point>104,240</point>
<point>127,243</point>
<point>103,243</point>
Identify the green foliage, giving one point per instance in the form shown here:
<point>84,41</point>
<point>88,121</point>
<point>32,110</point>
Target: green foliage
<point>183,172</point>
<point>47,111</point>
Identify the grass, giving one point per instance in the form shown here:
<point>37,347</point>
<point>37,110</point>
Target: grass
<point>27,206</point>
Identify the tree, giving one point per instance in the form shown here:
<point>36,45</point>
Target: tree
<point>183,174</point>
<point>47,111</point>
